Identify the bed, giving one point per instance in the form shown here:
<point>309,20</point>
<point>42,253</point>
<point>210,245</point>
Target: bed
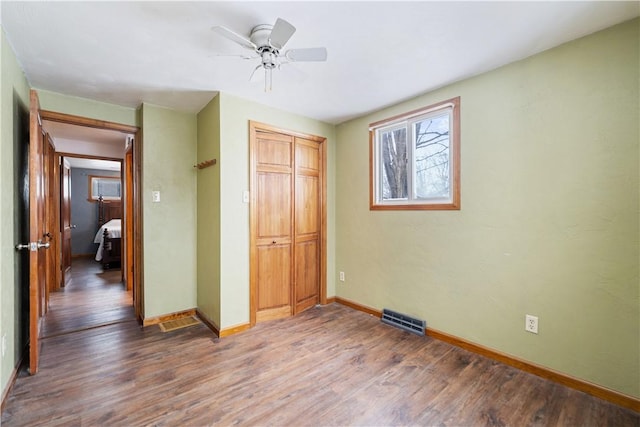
<point>109,234</point>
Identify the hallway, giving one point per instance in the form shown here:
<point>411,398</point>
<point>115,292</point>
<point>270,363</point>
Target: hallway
<point>93,297</point>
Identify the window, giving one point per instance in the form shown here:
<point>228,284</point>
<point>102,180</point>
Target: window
<point>108,187</point>
<point>415,159</point>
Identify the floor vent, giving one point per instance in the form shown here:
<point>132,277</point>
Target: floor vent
<point>172,325</point>
<point>403,321</point>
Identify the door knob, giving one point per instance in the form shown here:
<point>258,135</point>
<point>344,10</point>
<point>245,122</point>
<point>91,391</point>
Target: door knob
<point>33,246</point>
<point>73,226</point>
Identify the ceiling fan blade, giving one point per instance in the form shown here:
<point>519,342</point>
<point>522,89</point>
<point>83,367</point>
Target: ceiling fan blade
<point>234,37</point>
<point>255,76</point>
<point>281,33</point>
<point>292,73</point>
<point>307,55</point>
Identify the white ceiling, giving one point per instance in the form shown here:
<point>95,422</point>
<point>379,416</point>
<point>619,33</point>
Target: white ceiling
<point>84,134</point>
<point>83,140</point>
<point>77,162</point>
<point>380,52</point>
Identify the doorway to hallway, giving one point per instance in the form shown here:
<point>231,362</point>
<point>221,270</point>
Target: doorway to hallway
<point>93,297</point>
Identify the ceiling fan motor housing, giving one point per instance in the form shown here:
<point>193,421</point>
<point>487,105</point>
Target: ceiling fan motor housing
<point>260,35</point>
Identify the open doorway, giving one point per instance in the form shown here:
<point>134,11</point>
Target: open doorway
<point>91,202</point>
<point>94,174</point>
<point>93,290</point>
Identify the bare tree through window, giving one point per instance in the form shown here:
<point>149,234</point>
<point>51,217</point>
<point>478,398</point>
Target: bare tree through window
<point>432,158</point>
<point>394,158</point>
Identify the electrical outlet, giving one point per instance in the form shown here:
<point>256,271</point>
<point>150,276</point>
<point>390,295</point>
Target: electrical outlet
<point>342,276</point>
<point>531,323</point>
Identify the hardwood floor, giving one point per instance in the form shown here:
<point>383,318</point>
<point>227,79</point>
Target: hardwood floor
<point>91,298</point>
<point>327,366</point>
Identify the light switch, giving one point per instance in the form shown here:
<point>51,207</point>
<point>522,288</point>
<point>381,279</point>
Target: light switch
<point>245,197</point>
<point>156,196</point>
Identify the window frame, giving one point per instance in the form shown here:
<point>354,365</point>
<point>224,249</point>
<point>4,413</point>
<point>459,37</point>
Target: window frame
<point>95,179</point>
<point>408,121</point>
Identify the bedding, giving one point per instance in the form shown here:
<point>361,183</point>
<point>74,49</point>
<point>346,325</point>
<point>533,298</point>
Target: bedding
<point>114,227</point>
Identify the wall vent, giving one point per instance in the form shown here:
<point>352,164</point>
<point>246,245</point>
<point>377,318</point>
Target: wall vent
<point>402,321</point>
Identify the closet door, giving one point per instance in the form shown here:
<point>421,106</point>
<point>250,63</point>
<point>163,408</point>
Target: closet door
<point>287,227</point>
<point>307,223</point>
<point>272,267</point>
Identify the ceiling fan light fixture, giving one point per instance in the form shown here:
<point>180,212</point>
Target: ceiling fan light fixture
<point>269,58</point>
<point>269,62</point>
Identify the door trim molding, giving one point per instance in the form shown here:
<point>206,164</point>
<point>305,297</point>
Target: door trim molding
<point>255,126</point>
<point>87,156</point>
<point>54,116</point>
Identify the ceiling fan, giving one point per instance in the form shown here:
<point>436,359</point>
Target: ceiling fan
<point>267,41</point>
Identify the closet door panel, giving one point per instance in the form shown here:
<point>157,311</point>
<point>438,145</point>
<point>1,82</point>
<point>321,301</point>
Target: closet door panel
<point>307,274</point>
<point>273,210</point>
<point>274,205</point>
<point>307,224</point>
<point>274,285</point>
<point>307,205</point>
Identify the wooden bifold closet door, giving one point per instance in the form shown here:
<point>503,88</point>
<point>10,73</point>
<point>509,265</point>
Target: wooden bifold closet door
<point>287,174</point>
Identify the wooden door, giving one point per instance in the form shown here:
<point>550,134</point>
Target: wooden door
<point>308,212</point>
<point>274,226</point>
<point>287,223</point>
<point>137,253</point>
<point>127,260</point>
<point>56,230</point>
<point>65,220</point>
<point>37,256</point>
<point>52,213</point>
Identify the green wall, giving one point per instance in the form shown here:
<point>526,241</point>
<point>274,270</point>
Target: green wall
<point>208,226</point>
<point>89,108</point>
<point>235,114</point>
<point>549,223</point>
<point>168,156</point>
<point>14,100</point>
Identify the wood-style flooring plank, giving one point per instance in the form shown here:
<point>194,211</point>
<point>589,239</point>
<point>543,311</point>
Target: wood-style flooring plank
<point>92,297</point>
<point>328,366</point>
